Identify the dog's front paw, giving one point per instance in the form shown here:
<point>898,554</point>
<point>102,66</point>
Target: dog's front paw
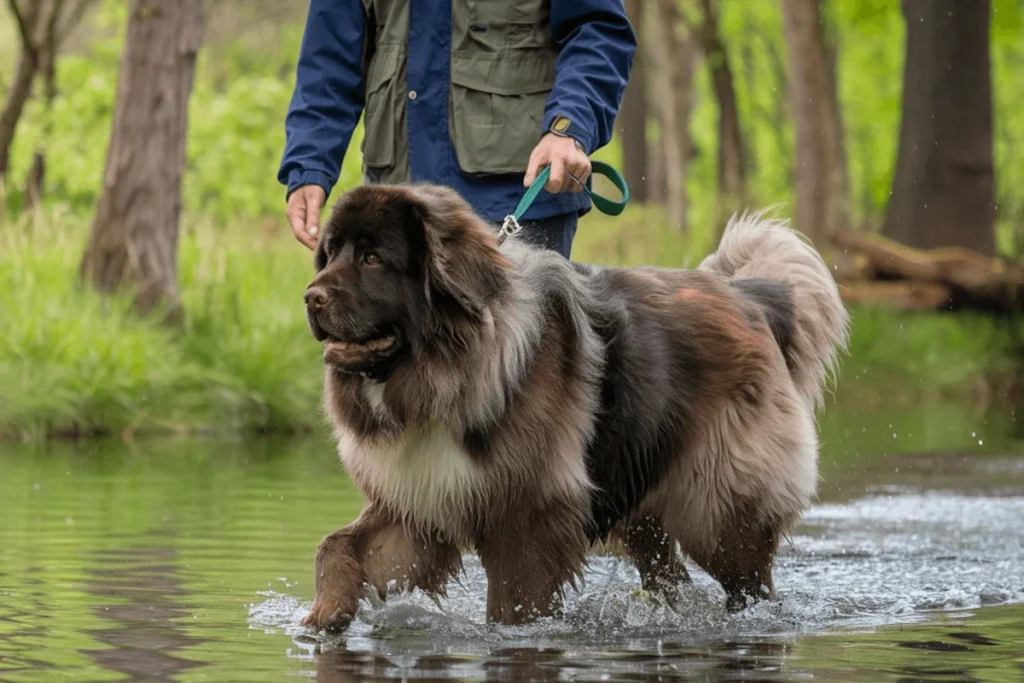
<point>329,615</point>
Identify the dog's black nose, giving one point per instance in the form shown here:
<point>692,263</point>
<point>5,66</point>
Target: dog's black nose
<point>316,298</point>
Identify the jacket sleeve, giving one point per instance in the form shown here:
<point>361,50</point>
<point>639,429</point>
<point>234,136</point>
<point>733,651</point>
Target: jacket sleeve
<point>596,45</point>
<point>328,97</point>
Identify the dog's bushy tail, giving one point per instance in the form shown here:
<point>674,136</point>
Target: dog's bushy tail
<point>755,246</point>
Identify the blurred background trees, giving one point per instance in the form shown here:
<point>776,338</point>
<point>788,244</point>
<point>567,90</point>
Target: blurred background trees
<point>870,116</point>
<point>821,178</point>
<point>42,27</point>
<point>944,189</point>
<point>134,237</point>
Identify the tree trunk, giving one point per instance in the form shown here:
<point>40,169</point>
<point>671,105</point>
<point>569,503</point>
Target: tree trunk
<point>732,158</point>
<point>943,189</point>
<point>658,92</point>
<point>37,174</point>
<point>47,65</point>
<point>632,121</point>
<point>822,183</point>
<point>21,86</point>
<point>135,233</point>
<point>14,105</point>
<point>672,60</point>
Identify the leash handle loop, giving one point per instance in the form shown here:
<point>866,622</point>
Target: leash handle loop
<point>606,206</point>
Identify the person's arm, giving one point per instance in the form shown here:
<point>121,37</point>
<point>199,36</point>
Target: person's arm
<point>324,110</point>
<point>596,47</point>
<point>596,44</point>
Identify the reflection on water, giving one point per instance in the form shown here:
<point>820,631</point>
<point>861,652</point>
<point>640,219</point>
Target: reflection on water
<point>140,598</point>
<point>191,560</point>
<point>725,661</point>
<point>929,653</point>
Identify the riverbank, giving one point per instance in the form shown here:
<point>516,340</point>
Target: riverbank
<point>73,364</point>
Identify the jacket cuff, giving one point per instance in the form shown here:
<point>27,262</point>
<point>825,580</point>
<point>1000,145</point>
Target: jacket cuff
<point>569,128</point>
<point>298,178</point>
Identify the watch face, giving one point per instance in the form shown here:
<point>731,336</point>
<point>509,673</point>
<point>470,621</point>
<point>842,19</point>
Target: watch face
<point>561,125</point>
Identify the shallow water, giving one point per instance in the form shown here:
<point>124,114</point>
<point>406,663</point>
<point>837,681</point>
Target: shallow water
<point>191,560</point>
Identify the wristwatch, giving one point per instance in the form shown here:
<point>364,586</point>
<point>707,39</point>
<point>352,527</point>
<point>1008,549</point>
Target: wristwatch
<point>560,127</point>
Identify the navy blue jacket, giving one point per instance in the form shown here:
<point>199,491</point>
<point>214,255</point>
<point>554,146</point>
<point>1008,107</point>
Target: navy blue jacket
<point>596,45</point>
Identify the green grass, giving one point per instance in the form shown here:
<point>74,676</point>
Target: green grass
<point>244,361</point>
<point>71,362</point>
<point>902,359</point>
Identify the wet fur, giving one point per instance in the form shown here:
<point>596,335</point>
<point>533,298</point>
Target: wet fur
<point>540,407</point>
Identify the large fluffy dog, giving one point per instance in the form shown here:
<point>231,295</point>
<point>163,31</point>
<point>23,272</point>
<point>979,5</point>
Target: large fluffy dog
<point>502,399</point>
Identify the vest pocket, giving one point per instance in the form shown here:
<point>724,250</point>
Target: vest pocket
<point>380,113</point>
<point>497,107</point>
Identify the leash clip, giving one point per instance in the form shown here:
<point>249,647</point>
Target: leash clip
<point>509,227</point>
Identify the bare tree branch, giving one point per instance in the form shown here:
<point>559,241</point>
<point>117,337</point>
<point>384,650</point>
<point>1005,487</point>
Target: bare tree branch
<point>51,21</point>
<point>709,27</point>
<point>732,154</point>
<point>23,29</point>
<point>72,20</point>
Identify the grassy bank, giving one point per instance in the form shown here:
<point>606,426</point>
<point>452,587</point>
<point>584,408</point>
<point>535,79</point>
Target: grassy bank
<point>72,363</point>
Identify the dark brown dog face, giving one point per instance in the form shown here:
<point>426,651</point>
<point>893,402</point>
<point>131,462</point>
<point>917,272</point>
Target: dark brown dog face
<point>399,270</point>
<point>367,295</point>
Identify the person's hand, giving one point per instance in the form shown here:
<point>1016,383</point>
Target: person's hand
<point>304,205</point>
<point>565,158</point>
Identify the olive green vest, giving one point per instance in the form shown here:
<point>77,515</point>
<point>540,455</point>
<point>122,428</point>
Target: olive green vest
<point>502,71</point>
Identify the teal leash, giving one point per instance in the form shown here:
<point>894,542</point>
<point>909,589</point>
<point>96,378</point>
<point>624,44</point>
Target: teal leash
<point>511,225</point>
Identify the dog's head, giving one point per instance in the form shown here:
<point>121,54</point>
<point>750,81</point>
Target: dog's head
<point>401,270</point>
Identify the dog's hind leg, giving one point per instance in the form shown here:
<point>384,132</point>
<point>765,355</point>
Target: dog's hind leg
<point>653,552</point>
<point>377,551</point>
<point>742,563</point>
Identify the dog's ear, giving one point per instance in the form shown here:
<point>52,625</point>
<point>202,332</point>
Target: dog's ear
<point>320,255</point>
<point>462,261</point>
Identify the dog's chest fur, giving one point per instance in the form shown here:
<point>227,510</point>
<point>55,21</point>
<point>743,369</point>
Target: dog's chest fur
<point>425,476</point>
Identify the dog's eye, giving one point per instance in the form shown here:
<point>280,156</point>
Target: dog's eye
<point>370,258</point>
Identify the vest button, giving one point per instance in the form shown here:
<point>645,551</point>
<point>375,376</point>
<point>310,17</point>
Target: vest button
<point>412,94</point>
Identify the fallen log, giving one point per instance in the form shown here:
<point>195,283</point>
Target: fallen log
<point>967,277</point>
<point>897,295</point>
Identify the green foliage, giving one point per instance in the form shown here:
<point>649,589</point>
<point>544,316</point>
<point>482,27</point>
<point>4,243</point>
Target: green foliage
<point>72,362</point>
<point>641,235</point>
<point>752,32</point>
<point>236,123</point>
<point>937,350</point>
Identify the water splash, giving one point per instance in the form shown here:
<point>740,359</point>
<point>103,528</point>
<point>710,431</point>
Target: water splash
<point>890,558</point>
